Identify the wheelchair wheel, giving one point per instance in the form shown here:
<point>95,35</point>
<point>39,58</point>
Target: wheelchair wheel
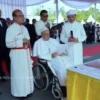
<point>56,93</point>
<point>41,77</point>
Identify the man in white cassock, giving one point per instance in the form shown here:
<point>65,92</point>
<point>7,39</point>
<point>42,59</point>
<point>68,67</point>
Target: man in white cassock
<point>46,48</point>
<point>73,34</point>
<point>17,38</point>
<point>42,23</point>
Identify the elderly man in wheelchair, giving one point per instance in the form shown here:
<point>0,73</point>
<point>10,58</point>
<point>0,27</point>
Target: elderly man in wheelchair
<point>51,65</point>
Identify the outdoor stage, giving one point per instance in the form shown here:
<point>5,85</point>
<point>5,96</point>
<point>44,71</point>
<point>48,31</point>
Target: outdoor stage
<point>91,52</point>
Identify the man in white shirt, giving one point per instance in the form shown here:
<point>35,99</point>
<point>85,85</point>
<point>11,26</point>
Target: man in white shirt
<point>73,34</point>
<point>17,38</point>
<point>46,48</point>
<point>42,23</point>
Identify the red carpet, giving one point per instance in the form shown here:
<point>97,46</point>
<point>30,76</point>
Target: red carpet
<point>87,51</point>
<point>91,50</point>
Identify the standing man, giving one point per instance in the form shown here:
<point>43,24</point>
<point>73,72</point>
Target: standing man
<point>8,21</point>
<point>91,33</point>
<point>42,23</point>
<point>32,33</point>
<point>34,21</point>
<point>17,38</point>
<point>4,52</point>
<point>73,34</point>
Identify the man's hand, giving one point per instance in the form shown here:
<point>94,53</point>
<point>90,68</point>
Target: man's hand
<point>63,54</point>
<point>70,40</point>
<point>48,25</point>
<point>76,40</point>
<point>54,55</point>
<point>73,40</point>
<point>25,41</point>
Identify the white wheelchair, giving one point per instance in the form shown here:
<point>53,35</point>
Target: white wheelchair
<point>44,78</point>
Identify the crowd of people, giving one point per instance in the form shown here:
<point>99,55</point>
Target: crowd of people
<point>90,32</point>
<point>19,40</point>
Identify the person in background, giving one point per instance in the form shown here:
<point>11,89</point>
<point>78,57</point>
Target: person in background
<point>86,31</point>
<point>28,25</point>
<point>53,32</point>
<point>59,27</point>
<point>32,33</point>
<point>8,21</point>
<point>12,21</point>
<point>4,51</point>
<point>90,33</point>
<point>34,21</point>
<point>43,22</point>
<point>18,40</point>
<point>93,32</point>
<point>73,34</point>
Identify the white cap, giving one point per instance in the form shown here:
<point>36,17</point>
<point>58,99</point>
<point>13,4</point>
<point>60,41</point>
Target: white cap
<point>44,29</point>
<point>71,12</point>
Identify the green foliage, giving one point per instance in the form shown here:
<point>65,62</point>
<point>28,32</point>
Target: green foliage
<point>85,14</point>
<point>52,15</point>
<point>80,14</point>
<point>37,12</point>
<point>62,11</point>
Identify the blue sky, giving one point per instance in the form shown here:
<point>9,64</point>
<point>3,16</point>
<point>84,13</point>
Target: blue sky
<point>51,5</point>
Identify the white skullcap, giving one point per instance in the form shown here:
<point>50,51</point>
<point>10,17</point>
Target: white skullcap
<point>44,29</point>
<point>71,12</point>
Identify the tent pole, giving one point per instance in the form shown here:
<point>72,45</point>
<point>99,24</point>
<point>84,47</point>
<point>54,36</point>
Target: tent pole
<point>57,12</point>
<point>95,13</point>
<point>95,21</point>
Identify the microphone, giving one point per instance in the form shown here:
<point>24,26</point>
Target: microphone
<point>71,32</point>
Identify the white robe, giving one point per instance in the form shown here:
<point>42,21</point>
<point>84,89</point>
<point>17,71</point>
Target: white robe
<point>21,63</point>
<point>39,26</point>
<point>44,49</point>
<point>75,50</point>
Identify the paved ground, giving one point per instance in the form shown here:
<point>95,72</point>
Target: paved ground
<point>37,95</point>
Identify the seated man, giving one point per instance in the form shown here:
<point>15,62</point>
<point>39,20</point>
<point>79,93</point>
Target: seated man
<point>46,48</point>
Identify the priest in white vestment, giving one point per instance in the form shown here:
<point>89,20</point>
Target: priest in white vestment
<point>46,48</point>
<point>42,23</point>
<point>73,34</point>
<point>17,38</point>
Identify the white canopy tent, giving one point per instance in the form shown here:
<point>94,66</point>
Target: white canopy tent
<point>97,22</point>
<point>91,19</point>
<point>60,19</point>
<point>82,22</point>
<point>8,6</point>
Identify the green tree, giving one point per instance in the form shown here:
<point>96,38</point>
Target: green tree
<point>85,14</point>
<point>38,10</point>
<point>62,11</point>
<point>80,14</point>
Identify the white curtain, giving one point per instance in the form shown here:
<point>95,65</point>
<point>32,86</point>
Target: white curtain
<point>35,2</point>
<point>76,4</point>
<point>7,6</point>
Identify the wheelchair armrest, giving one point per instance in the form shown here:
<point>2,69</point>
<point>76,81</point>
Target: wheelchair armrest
<point>42,60</point>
